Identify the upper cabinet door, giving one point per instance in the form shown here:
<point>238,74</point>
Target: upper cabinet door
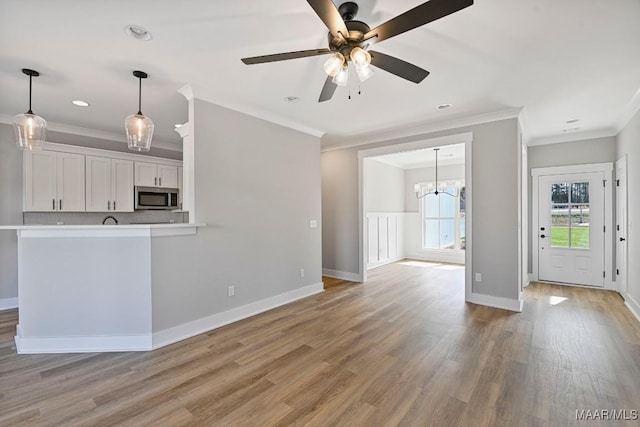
<point>40,181</point>
<point>146,174</point>
<point>122,185</point>
<point>180,186</point>
<point>70,172</point>
<point>98,184</point>
<point>167,176</point>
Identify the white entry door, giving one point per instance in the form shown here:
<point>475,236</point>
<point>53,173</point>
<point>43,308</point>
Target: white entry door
<point>571,228</point>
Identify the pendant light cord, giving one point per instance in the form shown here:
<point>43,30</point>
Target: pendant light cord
<point>140,96</point>
<point>30,84</point>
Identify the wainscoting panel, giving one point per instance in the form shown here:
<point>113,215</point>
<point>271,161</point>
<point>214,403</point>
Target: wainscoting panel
<point>385,233</point>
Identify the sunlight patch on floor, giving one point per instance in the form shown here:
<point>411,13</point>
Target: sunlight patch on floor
<point>553,300</point>
<point>420,264</point>
<point>450,267</point>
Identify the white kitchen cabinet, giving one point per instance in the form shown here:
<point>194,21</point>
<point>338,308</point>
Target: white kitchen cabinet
<point>167,176</point>
<point>109,184</point>
<point>54,181</point>
<point>156,175</point>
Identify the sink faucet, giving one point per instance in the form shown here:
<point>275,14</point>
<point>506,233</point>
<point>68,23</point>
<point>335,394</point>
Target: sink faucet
<point>109,217</point>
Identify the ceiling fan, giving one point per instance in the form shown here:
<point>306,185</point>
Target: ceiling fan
<point>349,40</point>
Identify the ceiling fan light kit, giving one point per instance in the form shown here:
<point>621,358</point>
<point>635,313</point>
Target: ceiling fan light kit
<point>349,40</point>
<point>30,129</point>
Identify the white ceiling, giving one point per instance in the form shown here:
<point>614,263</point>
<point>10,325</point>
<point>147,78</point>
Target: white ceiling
<point>425,158</point>
<point>561,60</point>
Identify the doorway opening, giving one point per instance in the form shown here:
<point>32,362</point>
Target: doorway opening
<point>572,221</point>
<point>402,217</point>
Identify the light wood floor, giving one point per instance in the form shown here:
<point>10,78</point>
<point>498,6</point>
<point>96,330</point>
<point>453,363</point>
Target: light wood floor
<point>404,349</point>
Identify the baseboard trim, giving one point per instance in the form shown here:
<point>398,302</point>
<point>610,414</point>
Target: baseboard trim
<point>496,302</point>
<point>457,258</point>
<point>343,275</point>
<point>633,306</point>
<point>387,262</point>
<point>206,324</point>
<point>46,345</point>
<point>8,303</point>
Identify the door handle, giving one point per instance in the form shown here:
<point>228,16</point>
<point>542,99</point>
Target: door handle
<point>542,236</point>
<point>622,239</point>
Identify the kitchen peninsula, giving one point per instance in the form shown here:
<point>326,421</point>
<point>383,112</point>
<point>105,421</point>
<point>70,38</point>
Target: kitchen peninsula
<point>88,287</point>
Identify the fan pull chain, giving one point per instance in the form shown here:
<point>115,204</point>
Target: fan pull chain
<point>349,92</point>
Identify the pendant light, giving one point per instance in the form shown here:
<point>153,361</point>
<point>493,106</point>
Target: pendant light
<point>139,127</point>
<point>30,129</point>
<point>431,190</point>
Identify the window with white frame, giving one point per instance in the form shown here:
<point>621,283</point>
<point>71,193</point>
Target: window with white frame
<point>443,217</point>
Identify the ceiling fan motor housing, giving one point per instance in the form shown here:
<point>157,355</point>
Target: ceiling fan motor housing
<point>357,30</point>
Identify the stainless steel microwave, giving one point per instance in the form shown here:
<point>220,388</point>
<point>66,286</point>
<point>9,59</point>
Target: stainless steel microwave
<point>156,198</point>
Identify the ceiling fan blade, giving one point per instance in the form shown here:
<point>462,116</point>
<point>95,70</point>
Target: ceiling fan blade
<point>398,67</point>
<point>285,56</point>
<point>328,12</point>
<point>416,17</point>
<point>328,89</point>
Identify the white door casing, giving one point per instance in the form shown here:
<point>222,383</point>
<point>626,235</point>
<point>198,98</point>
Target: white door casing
<point>621,225</point>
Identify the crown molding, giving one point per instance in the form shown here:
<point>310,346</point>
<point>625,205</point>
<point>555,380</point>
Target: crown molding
<point>632,109</point>
<point>573,136</point>
<point>93,133</point>
<point>421,129</point>
<point>190,92</point>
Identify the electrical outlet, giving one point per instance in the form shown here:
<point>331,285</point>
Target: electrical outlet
<point>478,277</point>
<point>231,290</point>
<point>302,272</point>
<point>313,223</point>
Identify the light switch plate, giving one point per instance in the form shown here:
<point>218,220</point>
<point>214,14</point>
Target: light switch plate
<point>313,224</point>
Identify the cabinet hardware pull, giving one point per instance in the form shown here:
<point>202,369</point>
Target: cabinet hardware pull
<point>60,204</point>
<point>53,204</point>
<point>108,205</point>
<point>155,181</point>
<point>160,181</point>
<point>114,205</point>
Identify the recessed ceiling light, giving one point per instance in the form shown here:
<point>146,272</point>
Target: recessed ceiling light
<point>80,103</point>
<point>291,99</point>
<point>444,106</point>
<point>138,32</point>
<point>572,121</point>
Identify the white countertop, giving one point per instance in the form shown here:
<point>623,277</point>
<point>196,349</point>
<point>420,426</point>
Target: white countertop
<point>100,231</point>
<point>96,226</point>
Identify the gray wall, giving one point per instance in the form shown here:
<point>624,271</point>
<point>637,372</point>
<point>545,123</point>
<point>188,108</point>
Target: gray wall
<point>495,154</point>
<point>10,211</point>
<point>597,150</point>
<point>384,186</point>
<point>257,187</point>
<point>629,145</point>
<point>414,176</point>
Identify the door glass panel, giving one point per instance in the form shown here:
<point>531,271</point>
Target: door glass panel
<point>580,226</point>
<point>560,226</point>
<point>570,215</point>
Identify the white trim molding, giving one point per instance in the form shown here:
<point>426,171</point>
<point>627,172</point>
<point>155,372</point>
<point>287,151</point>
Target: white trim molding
<point>573,136</point>
<point>342,275</point>
<point>205,324</point>
<point>8,303</point>
<point>40,345</point>
<point>632,305</point>
<point>496,302</point>
<point>420,130</point>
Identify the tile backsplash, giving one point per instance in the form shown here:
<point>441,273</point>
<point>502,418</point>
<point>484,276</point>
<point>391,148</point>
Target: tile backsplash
<point>90,218</point>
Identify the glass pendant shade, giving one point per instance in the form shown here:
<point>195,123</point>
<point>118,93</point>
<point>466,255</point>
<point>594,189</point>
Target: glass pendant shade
<point>139,132</point>
<point>333,64</point>
<point>363,72</point>
<point>342,76</point>
<point>30,131</point>
<point>139,128</point>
